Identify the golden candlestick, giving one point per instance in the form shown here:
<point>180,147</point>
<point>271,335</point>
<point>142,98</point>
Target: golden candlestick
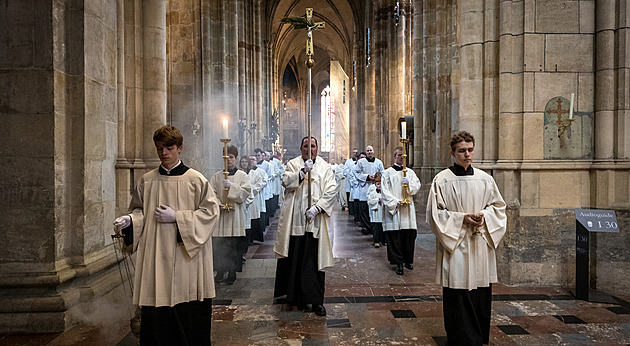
<point>405,187</point>
<point>565,124</point>
<point>226,206</point>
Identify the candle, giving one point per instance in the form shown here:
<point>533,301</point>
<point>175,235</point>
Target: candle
<point>571,107</point>
<point>225,127</point>
<point>404,129</point>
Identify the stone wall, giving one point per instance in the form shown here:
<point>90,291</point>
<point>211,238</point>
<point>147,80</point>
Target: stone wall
<point>510,60</point>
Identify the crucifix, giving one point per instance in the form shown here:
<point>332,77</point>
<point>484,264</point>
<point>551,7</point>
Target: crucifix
<point>308,24</point>
<point>309,64</point>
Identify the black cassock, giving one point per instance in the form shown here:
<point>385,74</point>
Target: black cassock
<point>297,275</point>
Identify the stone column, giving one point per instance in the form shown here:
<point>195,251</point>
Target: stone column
<point>32,242</point>
<point>154,72</point>
<point>369,85</point>
<point>418,104</point>
<point>120,78</point>
<point>427,98</point>
<point>215,76</point>
<point>605,78</point>
<point>471,91</point>
<point>511,82</point>
<point>446,77</point>
<point>490,137</point>
<point>623,86</point>
<point>258,58</point>
<point>232,94</point>
<point>57,189</point>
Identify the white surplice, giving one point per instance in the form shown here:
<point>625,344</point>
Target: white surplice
<point>340,179</point>
<point>258,182</point>
<point>232,223</point>
<point>376,207</point>
<point>292,220</point>
<point>363,169</point>
<point>465,256</point>
<point>168,272</point>
<point>398,216</point>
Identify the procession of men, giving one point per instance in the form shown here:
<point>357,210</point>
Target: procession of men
<point>211,228</point>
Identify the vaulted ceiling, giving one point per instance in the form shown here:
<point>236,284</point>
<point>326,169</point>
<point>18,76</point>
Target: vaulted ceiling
<point>336,40</point>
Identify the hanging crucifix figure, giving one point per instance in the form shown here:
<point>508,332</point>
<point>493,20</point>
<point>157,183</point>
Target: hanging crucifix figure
<point>308,24</point>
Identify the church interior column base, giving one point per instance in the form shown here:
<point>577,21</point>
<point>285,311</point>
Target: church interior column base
<point>45,307</point>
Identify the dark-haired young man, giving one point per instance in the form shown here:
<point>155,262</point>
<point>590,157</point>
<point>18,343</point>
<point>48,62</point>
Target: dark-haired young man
<point>399,219</point>
<point>466,213</point>
<point>230,233</point>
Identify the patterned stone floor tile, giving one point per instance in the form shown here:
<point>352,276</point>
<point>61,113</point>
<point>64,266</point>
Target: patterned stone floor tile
<point>569,319</point>
<point>513,329</point>
<point>403,314</point>
<point>362,290</point>
<point>542,324</point>
<point>605,332</point>
<point>427,309</point>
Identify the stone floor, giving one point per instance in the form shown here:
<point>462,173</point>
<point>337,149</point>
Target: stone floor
<point>368,304</point>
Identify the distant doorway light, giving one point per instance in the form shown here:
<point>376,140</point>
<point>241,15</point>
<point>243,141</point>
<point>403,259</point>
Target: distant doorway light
<point>328,120</point>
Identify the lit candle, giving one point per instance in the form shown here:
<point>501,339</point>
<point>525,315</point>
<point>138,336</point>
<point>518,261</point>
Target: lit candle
<point>571,107</point>
<point>404,129</point>
<point>225,126</point>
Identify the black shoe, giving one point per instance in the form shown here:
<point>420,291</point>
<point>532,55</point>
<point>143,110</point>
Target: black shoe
<point>409,266</point>
<point>219,277</point>
<point>231,277</point>
<point>399,269</point>
<point>320,310</point>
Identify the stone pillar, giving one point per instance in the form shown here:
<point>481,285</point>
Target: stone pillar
<point>445,72</point>
<point>398,76</point>
<point>369,86</point>
<point>441,78</point>
<point>379,129</point>
<point>418,104</point>
<point>428,90</point>
<point>59,103</point>
<point>605,78</point>
<point>154,72</point>
<point>232,94</point>
<point>28,191</point>
<point>257,75</point>
<point>511,82</point>
<point>490,76</point>
<point>215,80</point>
<point>358,89</point>
<point>120,78</point>
<point>471,89</point>
<point>243,73</point>
<point>623,86</point>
